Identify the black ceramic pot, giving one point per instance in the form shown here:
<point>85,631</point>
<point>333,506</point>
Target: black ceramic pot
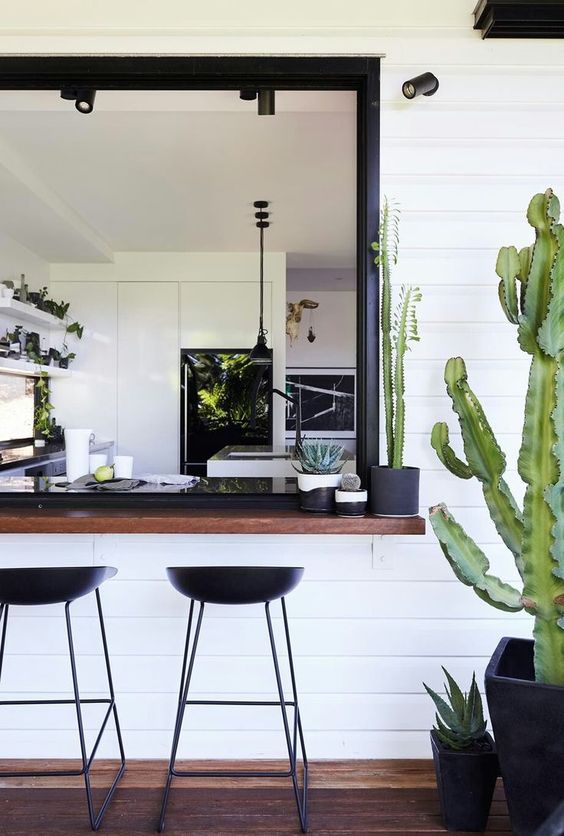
<point>394,493</point>
<point>465,781</point>
<point>528,723</point>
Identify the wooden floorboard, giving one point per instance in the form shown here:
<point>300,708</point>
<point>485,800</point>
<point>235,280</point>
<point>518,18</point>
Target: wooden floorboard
<point>346,797</point>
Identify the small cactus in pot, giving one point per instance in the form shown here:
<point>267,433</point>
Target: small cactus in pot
<point>350,499</point>
<point>319,465</point>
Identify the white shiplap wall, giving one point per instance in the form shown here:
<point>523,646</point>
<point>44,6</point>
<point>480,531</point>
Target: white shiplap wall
<point>373,618</point>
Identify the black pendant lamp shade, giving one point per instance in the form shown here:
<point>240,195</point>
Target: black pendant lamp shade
<point>261,355</point>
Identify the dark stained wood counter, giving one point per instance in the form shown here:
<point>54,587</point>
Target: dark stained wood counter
<point>197,521</point>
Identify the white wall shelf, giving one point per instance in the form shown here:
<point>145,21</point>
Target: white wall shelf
<point>21,367</point>
<point>29,313</point>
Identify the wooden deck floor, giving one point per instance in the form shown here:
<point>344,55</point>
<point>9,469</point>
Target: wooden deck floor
<point>346,797</point>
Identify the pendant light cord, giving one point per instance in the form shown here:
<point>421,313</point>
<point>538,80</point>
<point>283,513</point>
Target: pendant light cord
<point>261,329</point>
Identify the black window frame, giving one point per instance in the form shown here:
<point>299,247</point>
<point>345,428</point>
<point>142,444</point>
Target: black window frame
<point>360,74</point>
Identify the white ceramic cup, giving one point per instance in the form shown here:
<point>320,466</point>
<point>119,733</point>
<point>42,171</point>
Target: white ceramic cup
<point>97,460</point>
<point>6,292</point>
<point>123,467</point>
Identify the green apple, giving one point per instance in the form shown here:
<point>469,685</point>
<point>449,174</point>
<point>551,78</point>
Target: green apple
<point>104,473</point>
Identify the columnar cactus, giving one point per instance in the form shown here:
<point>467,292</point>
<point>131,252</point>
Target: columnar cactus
<point>531,292</point>
<point>399,329</point>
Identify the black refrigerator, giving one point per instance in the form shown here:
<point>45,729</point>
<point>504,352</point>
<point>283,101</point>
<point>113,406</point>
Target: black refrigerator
<point>224,400</point>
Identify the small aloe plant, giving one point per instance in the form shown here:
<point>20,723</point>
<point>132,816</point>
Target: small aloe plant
<point>460,722</point>
<point>398,331</point>
<point>319,456</point>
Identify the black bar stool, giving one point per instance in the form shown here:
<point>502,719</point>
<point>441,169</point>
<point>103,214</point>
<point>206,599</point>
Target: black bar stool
<point>33,587</point>
<point>239,585</point>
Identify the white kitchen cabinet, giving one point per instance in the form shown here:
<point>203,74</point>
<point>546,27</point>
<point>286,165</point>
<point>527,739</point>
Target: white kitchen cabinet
<point>148,385</point>
<point>222,314</point>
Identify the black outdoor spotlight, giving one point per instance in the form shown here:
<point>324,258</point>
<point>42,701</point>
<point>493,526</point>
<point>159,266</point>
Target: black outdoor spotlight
<point>83,97</point>
<point>425,84</point>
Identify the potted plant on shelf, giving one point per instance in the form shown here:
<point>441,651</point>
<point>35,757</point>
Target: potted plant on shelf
<point>42,425</point>
<point>319,473</point>
<point>464,755</point>
<point>394,488</point>
<point>60,310</point>
<point>350,499</point>
<point>524,679</point>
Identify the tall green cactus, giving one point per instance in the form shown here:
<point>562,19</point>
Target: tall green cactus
<point>531,292</point>
<point>397,332</point>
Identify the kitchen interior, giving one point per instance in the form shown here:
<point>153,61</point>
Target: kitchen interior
<point>153,319</point>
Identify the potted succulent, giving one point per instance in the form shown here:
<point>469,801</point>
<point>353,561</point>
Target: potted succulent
<point>42,426</point>
<point>350,500</point>
<point>394,488</point>
<point>464,755</point>
<point>320,462</point>
<point>524,679</point>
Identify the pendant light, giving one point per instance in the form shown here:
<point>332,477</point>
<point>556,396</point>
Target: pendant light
<point>261,355</point>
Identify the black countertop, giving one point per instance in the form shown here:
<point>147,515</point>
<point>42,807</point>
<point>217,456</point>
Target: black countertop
<point>43,492</point>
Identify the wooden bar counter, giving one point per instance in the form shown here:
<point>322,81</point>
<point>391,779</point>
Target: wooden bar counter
<point>197,521</point>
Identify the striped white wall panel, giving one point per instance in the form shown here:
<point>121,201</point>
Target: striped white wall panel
<point>375,616</point>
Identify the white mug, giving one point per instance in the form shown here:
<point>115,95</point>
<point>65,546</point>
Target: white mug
<point>97,460</point>
<point>123,467</point>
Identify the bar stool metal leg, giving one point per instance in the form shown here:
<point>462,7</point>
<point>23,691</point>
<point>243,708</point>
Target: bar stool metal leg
<point>95,819</point>
<point>291,739</point>
<point>301,798</point>
<point>182,702</point>
<point>3,612</point>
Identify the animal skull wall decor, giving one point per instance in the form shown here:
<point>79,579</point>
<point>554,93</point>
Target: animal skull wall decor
<point>294,316</point>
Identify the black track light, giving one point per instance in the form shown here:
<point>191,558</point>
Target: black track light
<point>83,97</point>
<point>425,84</point>
<point>266,103</point>
<point>248,94</point>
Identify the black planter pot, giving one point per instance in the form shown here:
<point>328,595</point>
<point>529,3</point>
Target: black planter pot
<point>528,723</point>
<point>465,781</point>
<point>394,493</point>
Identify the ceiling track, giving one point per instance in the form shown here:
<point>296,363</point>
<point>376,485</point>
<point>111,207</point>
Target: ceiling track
<point>520,18</point>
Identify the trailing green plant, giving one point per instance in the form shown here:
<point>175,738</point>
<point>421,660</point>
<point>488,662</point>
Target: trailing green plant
<point>61,311</point>
<point>319,456</point>
<point>531,292</point>
<point>42,418</point>
<point>460,721</point>
<point>398,331</point>
<point>350,482</point>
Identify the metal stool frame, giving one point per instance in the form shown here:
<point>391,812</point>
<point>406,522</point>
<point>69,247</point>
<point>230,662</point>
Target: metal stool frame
<point>87,760</point>
<point>291,738</point>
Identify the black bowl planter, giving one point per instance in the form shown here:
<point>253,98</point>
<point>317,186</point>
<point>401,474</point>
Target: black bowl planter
<point>466,782</point>
<point>394,493</point>
<point>528,723</point>
<point>317,491</point>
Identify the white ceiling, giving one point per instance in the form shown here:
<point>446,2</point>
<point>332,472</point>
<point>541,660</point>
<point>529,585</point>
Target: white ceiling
<point>179,172</point>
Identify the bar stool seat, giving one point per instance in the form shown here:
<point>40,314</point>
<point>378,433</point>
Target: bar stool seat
<point>35,587</point>
<point>30,587</point>
<point>235,585</point>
